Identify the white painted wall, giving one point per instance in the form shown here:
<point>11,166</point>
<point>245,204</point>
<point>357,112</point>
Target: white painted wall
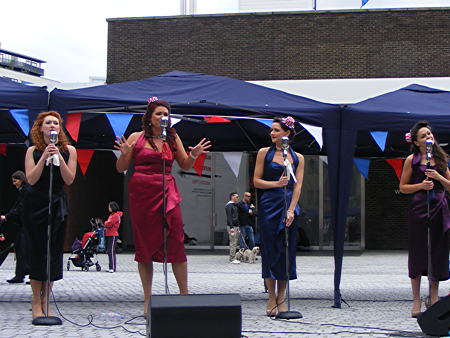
<point>274,5</point>
<point>345,91</point>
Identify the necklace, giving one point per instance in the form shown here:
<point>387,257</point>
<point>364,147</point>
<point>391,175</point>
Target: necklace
<point>157,136</point>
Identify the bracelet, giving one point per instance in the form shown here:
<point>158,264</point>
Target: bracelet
<point>290,211</point>
<point>192,156</point>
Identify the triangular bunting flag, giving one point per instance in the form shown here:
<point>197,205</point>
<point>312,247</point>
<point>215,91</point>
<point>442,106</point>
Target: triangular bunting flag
<point>315,132</point>
<point>3,149</point>
<point>73,121</point>
<point>363,2</point>
<point>117,153</point>
<point>363,166</point>
<point>198,164</point>
<point>84,158</point>
<point>397,164</point>
<point>234,161</point>
<point>268,123</point>
<point>380,138</point>
<point>324,159</point>
<point>215,119</point>
<point>22,119</point>
<point>174,121</point>
<point>119,122</point>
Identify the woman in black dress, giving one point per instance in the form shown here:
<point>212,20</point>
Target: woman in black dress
<point>36,203</point>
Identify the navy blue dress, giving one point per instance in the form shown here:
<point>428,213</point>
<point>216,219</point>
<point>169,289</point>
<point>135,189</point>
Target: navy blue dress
<point>271,221</point>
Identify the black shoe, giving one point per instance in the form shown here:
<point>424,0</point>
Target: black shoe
<point>15,279</point>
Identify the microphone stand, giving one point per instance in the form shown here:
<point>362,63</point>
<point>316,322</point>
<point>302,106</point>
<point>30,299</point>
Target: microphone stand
<point>430,268</point>
<point>287,314</point>
<point>46,319</point>
<point>164,213</point>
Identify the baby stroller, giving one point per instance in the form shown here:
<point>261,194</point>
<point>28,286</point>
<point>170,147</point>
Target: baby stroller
<point>84,250</point>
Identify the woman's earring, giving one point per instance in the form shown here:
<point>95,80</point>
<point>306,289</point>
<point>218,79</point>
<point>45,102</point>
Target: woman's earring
<point>149,124</point>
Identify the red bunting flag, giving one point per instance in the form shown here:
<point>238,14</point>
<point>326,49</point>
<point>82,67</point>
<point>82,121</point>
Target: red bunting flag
<point>84,158</point>
<point>3,149</point>
<point>215,119</point>
<point>198,164</point>
<point>73,121</point>
<point>397,165</point>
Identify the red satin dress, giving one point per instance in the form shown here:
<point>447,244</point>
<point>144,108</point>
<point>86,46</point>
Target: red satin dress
<point>146,201</point>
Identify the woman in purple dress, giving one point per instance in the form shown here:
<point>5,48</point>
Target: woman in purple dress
<point>423,181</point>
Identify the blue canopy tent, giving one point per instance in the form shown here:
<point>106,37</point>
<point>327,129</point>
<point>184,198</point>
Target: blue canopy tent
<point>394,112</point>
<point>200,94</point>
<point>192,94</point>
<point>15,95</point>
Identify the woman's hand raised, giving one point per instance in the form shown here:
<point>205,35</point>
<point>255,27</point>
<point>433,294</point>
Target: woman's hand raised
<point>123,145</point>
<point>200,148</point>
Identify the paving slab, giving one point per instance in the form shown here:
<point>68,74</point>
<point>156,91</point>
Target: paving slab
<point>374,284</point>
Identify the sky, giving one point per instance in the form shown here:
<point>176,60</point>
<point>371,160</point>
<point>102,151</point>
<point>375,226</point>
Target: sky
<point>71,36</point>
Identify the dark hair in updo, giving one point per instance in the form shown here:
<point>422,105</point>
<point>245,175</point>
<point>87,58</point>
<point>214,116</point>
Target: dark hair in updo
<point>146,127</point>
<point>439,155</point>
<point>279,120</point>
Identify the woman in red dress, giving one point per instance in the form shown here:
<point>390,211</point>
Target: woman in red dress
<point>146,149</point>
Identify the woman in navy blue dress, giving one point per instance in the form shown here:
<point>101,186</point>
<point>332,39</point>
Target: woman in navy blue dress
<point>417,179</point>
<point>269,178</point>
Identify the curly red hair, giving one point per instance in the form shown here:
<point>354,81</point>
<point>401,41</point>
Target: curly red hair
<point>38,138</point>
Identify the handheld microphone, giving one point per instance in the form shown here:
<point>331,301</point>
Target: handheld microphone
<point>53,136</point>
<point>164,123</point>
<point>429,148</point>
<point>53,139</point>
<point>284,146</point>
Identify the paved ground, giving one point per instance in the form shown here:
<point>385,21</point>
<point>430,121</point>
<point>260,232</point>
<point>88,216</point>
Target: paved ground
<point>374,284</point>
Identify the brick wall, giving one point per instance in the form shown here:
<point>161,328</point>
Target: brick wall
<point>295,45</point>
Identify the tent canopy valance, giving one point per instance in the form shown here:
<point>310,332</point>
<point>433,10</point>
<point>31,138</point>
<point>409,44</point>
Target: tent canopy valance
<point>192,93</point>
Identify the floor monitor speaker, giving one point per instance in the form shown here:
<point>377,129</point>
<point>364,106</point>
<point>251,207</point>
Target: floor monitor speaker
<point>435,321</point>
<point>195,316</point>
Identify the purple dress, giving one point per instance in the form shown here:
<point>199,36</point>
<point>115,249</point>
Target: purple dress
<point>417,230</point>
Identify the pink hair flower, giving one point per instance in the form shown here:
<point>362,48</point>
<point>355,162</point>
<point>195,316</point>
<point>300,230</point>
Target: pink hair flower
<point>288,121</point>
<point>408,137</point>
<point>152,99</point>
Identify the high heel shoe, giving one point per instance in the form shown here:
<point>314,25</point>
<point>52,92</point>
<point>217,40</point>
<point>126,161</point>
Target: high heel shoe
<point>414,312</point>
<point>271,310</point>
<point>282,305</point>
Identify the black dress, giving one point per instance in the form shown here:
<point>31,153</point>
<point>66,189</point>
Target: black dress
<point>35,218</point>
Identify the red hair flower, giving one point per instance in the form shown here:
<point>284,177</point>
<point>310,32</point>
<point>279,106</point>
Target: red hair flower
<point>408,137</point>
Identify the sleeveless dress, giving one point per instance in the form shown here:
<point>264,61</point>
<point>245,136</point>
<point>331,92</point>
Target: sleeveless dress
<point>35,219</point>
<point>270,218</point>
<point>417,230</point>
<point>146,202</point>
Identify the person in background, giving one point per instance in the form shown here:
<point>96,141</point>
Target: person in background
<point>428,186</point>
<point>246,211</point>
<point>233,225</point>
<point>36,203</point>
<point>270,178</point>
<point>112,225</point>
<point>20,238</point>
<point>147,150</point>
